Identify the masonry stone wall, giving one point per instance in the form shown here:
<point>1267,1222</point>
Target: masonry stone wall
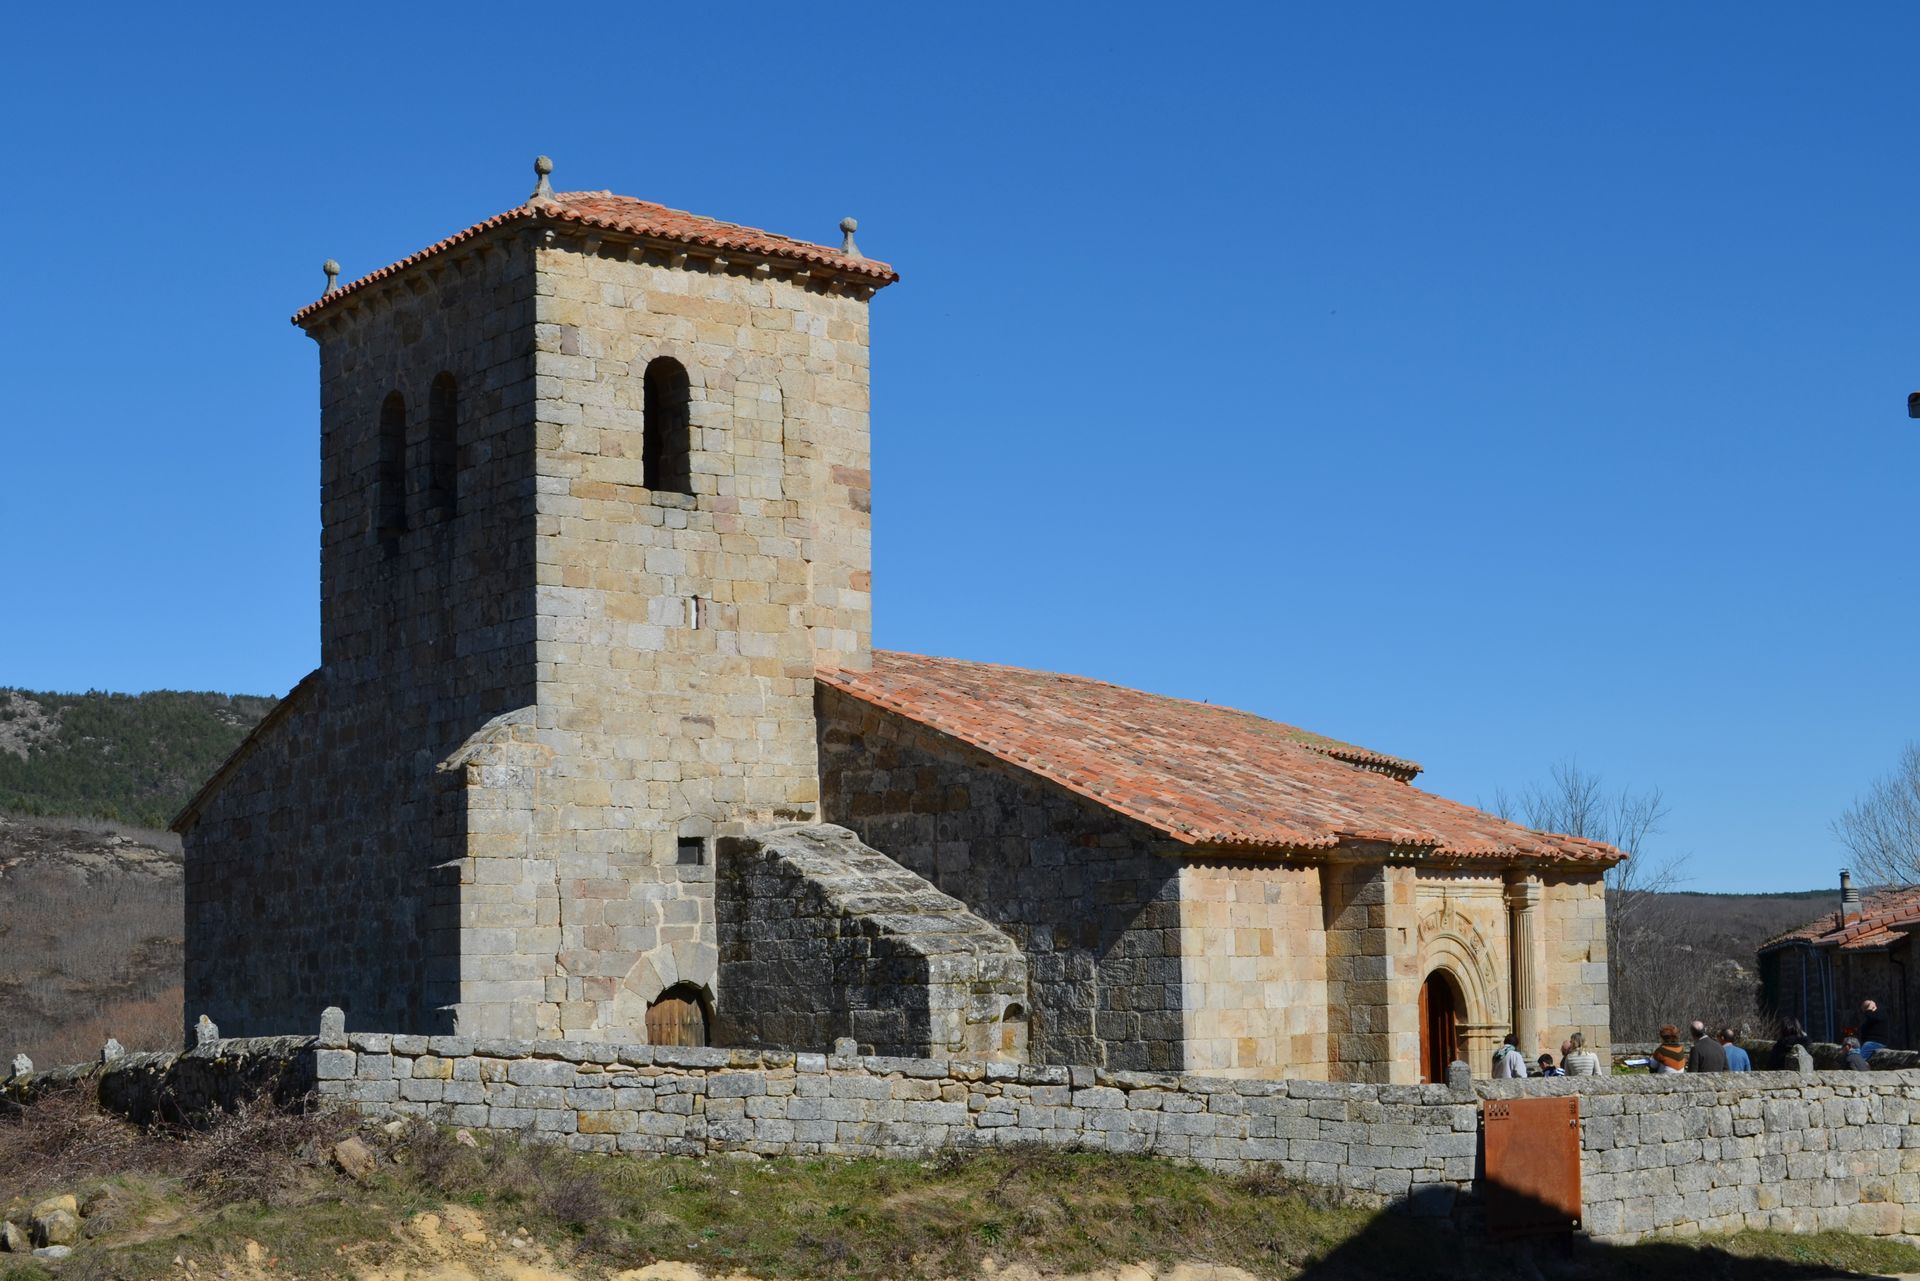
<point>427,633</point>
<point>1795,983</point>
<point>822,937</point>
<point>677,634</point>
<point>535,686</point>
<point>1673,1154</point>
<point>1574,977</point>
<point>1090,897</point>
<point>1147,955</point>
<point>1372,984</point>
<point>1254,983</point>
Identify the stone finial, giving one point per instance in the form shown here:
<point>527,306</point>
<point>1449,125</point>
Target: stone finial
<point>847,227</point>
<point>22,1065</point>
<point>111,1051</point>
<point>542,190</point>
<point>333,1028</point>
<point>205,1032</point>
<point>332,269</point>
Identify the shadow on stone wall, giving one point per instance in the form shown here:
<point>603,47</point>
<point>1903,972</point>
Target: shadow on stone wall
<point>183,1088</point>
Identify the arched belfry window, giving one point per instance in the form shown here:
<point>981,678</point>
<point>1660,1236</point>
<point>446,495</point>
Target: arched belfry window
<point>666,448</point>
<point>443,445</point>
<point>390,485</point>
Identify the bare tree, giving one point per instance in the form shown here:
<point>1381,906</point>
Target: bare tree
<point>1881,829</point>
<point>1576,803</point>
<point>1653,977</point>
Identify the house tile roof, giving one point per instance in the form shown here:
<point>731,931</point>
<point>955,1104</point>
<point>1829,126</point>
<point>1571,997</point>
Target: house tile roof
<point>1206,776</point>
<point>1884,916</point>
<point>643,218</point>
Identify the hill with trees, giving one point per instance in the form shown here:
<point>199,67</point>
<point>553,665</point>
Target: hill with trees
<point>128,758</point>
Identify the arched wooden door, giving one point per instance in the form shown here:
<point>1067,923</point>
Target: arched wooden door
<point>1439,1026</point>
<point>679,1017</point>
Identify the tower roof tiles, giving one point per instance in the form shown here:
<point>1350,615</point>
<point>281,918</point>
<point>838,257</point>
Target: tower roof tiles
<point>643,219</point>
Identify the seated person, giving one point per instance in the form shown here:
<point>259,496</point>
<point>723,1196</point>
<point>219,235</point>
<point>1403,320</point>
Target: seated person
<point>1855,1060</point>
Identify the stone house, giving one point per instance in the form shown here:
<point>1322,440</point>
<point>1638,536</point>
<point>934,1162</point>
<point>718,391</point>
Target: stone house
<point>599,747</point>
<point>1820,972</point>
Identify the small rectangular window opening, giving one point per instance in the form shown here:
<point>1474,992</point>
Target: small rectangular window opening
<point>696,612</point>
<point>692,851</point>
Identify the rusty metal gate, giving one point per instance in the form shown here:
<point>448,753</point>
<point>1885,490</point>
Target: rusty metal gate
<point>1532,1165</point>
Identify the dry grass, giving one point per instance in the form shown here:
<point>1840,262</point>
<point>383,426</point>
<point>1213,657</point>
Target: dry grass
<point>263,1174</point>
<point>138,1023</point>
<point>258,1153</point>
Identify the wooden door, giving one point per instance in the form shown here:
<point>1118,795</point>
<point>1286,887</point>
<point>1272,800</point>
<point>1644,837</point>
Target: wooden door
<point>1439,1027</point>
<point>677,1018</point>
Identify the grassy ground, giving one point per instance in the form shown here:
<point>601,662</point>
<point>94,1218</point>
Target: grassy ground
<point>258,1196</point>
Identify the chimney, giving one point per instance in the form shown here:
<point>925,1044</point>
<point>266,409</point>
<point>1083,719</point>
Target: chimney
<point>1849,898</point>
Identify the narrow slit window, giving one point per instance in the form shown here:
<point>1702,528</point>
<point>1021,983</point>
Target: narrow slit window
<point>691,852</point>
<point>666,445</point>
<point>443,445</point>
<point>390,488</point>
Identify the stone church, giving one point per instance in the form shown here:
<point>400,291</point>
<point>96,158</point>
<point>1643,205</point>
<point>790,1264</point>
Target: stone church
<point>599,747</point>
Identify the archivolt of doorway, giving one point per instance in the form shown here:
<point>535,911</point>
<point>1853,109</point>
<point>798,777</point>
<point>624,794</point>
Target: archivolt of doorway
<point>1461,1013</point>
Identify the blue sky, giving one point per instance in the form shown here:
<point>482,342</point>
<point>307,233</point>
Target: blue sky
<point>1493,385</point>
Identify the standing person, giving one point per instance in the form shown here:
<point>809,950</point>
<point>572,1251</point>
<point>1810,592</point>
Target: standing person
<point>1873,1028</point>
<point>1548,1069</point>
<point>1706,1054</point>
<point>1508,1062</point>
<point>1577,1059</point>
<point>1669,1055</point>
<point>1792,1037</point>
<point>1738,1060</point>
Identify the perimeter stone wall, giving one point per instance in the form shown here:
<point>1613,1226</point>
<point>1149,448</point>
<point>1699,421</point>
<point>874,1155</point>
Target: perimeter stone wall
<point>1674,1154</point>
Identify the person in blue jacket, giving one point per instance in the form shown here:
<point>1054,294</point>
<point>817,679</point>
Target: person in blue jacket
<point>1738,1059</point>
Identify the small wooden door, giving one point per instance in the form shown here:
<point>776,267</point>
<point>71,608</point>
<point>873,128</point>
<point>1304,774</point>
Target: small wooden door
<point>1439,1027</point>
<point>677,1018</point>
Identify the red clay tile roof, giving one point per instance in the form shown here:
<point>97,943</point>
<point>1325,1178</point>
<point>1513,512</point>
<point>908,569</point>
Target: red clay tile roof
<point>604,210</point>
<point>1881,911</point>
<point>1205,775</point>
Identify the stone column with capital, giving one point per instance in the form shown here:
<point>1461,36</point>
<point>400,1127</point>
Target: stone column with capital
<point>1523,914</point>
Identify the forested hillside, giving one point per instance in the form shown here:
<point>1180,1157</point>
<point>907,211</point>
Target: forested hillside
<point>131,758</point>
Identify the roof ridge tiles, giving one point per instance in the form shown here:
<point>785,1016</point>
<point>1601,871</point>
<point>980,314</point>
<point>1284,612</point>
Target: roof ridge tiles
<point>663,222</point>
